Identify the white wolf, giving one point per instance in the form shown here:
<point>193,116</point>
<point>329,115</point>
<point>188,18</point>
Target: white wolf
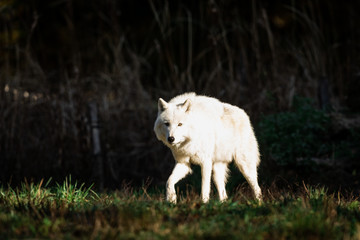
<point>202,130</point>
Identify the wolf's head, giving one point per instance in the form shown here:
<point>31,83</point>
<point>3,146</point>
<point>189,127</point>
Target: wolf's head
<point>171,124</point>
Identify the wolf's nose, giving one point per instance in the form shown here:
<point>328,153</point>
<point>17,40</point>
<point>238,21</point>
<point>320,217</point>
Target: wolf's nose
<point>171,139</point>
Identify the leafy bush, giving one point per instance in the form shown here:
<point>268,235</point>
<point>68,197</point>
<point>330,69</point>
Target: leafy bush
<point>299,134</point>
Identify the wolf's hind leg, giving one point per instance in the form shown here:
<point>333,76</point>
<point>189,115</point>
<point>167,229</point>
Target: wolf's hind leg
<point>248,167</point>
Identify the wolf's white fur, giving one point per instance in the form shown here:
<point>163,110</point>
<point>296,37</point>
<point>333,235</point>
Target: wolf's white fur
<point>202,130</point>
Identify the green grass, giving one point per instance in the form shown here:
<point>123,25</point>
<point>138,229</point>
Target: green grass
<point>72,211</point>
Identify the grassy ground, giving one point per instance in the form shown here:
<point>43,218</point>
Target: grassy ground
<point>72,211</point>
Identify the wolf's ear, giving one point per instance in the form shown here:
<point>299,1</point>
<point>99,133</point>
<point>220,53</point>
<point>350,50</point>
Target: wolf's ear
<point>162,105</point>
<point>186,105</point>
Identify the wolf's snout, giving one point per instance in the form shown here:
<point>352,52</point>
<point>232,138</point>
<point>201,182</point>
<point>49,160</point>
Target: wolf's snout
<point>171,139</point>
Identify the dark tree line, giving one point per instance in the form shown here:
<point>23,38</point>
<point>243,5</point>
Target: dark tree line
<point>59,57</point>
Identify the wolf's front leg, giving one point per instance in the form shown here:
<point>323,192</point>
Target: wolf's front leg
<point>179,172</point>
<point>206,169</point>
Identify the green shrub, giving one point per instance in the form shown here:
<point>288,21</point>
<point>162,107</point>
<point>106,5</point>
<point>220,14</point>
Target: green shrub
<point>298,134</point>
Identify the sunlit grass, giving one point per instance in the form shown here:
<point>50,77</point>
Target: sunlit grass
<point>72,211</point>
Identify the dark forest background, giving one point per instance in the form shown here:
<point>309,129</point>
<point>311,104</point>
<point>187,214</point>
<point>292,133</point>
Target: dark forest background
<point>294,66</point>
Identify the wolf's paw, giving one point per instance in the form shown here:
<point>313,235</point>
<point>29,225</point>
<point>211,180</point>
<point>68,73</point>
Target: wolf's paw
<point>171,197</point>
<point>205,199</point>
<point>258,195</point>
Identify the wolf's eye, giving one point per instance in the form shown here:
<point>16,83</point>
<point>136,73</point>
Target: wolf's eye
<point>167,124</point>
<point>180,124</point>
